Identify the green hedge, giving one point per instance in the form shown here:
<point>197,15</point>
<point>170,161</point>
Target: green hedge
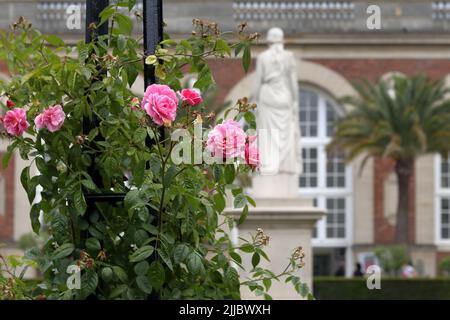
<point>332,288</point>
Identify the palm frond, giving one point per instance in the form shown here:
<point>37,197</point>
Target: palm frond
<point>403,120</point>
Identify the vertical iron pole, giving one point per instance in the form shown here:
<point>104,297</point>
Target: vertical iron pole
<point>93,9</point>
<point>153,35</point>
<point>92,31</point>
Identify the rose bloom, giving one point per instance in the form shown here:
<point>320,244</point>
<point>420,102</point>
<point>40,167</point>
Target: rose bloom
<point>161,103</point>
<point>52,118</point>
<point>226,140</point>
<point>191,97</point>
<point>10,104</point>
<point>252,155</point>
<point>15,122</point>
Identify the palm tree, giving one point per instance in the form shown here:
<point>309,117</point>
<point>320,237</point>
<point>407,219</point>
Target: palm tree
<point>400,120</point>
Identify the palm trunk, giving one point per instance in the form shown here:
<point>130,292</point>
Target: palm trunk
<point>403,169</point>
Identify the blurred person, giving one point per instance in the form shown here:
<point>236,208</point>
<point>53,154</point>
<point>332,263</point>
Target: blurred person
<point>408,270</point>
<point>358,270</point>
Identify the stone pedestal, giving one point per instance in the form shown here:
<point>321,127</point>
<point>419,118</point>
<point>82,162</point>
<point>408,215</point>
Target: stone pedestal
<point>289,222</point>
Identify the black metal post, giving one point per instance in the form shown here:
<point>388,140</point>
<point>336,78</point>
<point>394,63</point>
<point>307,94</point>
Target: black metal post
<point>153,35</point>
<point>93,30</point>
<point>93,10</point>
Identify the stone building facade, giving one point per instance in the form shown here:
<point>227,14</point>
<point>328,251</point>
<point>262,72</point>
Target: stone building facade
<point>333,48</point>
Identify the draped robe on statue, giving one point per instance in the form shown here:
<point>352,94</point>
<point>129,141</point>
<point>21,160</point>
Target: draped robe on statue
<point>276,96</point>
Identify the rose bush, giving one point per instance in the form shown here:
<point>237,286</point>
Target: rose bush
<point>169,235</point>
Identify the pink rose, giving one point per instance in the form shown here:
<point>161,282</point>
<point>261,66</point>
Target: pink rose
<point>191,97</point>
<point>161,103</point>
<point>252,155</point>
<point>226,140</point>
<point>15,122</point>
<point>52,118</point>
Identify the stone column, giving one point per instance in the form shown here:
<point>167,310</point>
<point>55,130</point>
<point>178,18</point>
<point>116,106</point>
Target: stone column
<point>289,223</point>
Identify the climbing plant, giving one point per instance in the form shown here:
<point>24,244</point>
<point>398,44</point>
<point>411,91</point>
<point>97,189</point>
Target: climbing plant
<point>170,236</point>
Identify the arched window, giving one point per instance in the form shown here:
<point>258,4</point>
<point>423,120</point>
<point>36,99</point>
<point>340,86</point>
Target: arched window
<point>442,203</point>
<point>325,176</point>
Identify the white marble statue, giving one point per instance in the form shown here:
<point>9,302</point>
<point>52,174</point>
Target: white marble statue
<point>276,95</point>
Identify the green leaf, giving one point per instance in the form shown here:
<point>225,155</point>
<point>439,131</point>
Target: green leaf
<point>250,119</point>
<point>219,202</point>
<point>144,284</point>
<point>118,291</point>
<point>93,244</point>
<point>79,202</point>
<point>41,165</point>
<point>139,135</point>
<point>124,23</point>
<point>92,134</point>
<point>25,177</point>
<point>230,174</point>
<point>222,46</point>
<point>267,283</point>
<point>63,251</point>
<point>160,72</point>
<point>131,4</point>
<point>140,237</point>
<point>267,296</point>
<point>168,42</point>
<point>302,289</point>
<point>96,86</point>
<point>232,277</point>
<point>132,198</point>
<point>34,216</point>
<point>54,40</point>
<point>194,264</point>
<point>120,274</point>
<point>7,155</point>
<point>89,184</point>
<point>141,268</point>
<point>166,258</point>
<point>240,201</point>
<point>217,173</point>
<point>180,253</point>
<point>246,58</point>
<point>107,274</point>
<point>247,248</point>
<point>139,173</point>
<point>141,253</point>
<point>31,192</point>
<point>151,59</point>
<point>244,215</point>
<point>255,259</point>
<point>156,275</point>
<point>106,14</point>
<point>251,201</point>
<point>86,72</point>
<point>89,282</point>
<point>236,257</point>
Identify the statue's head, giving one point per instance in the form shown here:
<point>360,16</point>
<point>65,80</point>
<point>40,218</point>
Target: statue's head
<point>275,35</point>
